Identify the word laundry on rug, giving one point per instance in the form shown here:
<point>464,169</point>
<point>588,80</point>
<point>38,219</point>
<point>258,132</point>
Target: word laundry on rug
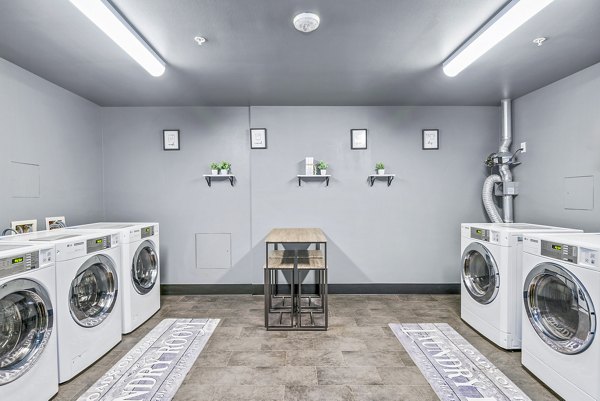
<point>155,368</point>
<point>455,369</point>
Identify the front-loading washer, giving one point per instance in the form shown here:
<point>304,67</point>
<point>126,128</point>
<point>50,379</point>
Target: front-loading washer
<point>490,299</point>
<point>28,346</point>
<point>87,296</point>
<point>561,291</point>
<point>140,274</point>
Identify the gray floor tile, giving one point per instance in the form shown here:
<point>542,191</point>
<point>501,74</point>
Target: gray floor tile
<point>318,393</point>
<point>348,375</point>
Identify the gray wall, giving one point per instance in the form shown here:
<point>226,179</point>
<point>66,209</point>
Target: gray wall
<point>407,233</point>
<point>45,125</point>
<point>561,125</point>
<point>144,183</point>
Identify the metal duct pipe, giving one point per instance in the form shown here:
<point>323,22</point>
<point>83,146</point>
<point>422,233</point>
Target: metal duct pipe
<point>487,195</point>
<point>505,142</point>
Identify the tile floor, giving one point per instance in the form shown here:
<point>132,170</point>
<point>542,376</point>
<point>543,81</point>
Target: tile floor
<point>357,359</point>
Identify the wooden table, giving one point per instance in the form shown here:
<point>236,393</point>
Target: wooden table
<point>295,261</point>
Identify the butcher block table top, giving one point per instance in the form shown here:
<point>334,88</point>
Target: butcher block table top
<point>296,235</point>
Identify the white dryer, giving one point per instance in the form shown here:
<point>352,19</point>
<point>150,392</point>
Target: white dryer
<point>490,299</point>
<point>140,274</point>
<point>87,298</point>
<point>28,355</point>
<point>561,289</point>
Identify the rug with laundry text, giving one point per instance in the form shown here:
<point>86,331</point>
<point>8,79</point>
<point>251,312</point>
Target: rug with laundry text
<point>156,366</point>
<point>455,369</point>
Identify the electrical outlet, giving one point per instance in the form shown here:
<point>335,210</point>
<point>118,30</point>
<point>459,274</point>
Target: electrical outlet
<point>24,226</point>
<point>524,147</point>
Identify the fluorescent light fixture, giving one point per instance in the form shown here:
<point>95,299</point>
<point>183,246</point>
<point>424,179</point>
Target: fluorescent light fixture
<point>108,19</point>
<point>515,14</point>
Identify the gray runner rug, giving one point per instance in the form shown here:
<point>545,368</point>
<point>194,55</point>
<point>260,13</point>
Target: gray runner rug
<point>452,366</point>
<point>155,368</point>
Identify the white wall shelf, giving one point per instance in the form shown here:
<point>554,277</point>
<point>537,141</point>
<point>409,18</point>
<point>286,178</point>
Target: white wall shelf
<point>210,177</point>
<point>388,177</point>
<point>314,177</point>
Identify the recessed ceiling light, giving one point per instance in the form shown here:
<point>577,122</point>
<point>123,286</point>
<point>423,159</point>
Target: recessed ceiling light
<point>108,19</point>
<point>200,40</point>
<point>306,22</point>
<point>539,41</point>
<point>515,14</point>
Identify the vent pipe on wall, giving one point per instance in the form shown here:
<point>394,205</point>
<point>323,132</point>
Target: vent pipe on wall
<point>505,142</point>
<point>502,184</point>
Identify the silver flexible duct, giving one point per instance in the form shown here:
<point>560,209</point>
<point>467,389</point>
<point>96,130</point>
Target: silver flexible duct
<point>487,195</point>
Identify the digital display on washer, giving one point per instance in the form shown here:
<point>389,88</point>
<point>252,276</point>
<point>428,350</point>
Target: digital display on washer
<point>98,244</point>
<point>480,233</point>
<point>564,252</point>
<point>147,231</point>
<point>19,264</point>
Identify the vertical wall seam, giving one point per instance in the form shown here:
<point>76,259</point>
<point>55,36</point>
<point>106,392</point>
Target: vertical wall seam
<point>251,225</point>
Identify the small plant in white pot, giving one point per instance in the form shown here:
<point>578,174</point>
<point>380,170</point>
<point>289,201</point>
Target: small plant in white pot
<point>322,166</point>
<point>224,168</point>
<point>380,168</point>
<point>214,168</point>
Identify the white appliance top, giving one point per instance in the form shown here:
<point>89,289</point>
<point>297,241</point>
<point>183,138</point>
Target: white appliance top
<point>516,227</point>
<point>5,248</point>
<point>58,235</point>
<point>107,226</point>
<point>587,240</point>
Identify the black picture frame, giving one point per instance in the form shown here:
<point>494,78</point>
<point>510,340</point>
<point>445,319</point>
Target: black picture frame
<point>170,146</point>
<point>437,139</point>
<point>252,143</point>
<point>352,142</point>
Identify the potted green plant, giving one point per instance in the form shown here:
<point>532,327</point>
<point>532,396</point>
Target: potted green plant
<point>380,168</point>
<point>214,168</point>
<point>322,166</point>
<point>224,168</point>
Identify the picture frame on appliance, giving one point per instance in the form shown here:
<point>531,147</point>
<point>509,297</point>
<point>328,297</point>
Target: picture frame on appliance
<point>431,139</point>
<point>358,139</point>
<point>171,139</point>
<point>258,138</point>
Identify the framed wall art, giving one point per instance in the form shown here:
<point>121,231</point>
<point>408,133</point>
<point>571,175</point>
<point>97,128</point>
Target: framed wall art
<point>431,139</point>
<point>258,138</point>
<point>358,139</point>
<point>171,139</point>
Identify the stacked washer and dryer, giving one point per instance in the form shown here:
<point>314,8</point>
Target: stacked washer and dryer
<point>491,278</point>
<point>561,289</point>
<point>28,335</point>
<point>88,306</point>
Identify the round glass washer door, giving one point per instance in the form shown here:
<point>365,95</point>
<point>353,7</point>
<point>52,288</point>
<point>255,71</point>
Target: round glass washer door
<point>480,273</point>
<point>26,323</point>
<point>559,308</point>
<point>93,291</point>
<point>144,268</point>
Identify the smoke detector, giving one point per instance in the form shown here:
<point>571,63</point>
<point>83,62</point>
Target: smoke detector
<point>306,22</point>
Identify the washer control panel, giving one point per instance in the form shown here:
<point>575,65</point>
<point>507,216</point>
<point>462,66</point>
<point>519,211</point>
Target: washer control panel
<point>98,244</point>
<point>147,231</point>
<point>588,257</point>
<point>564,252</point>
<point>19,263</point>
<point>480,233</point>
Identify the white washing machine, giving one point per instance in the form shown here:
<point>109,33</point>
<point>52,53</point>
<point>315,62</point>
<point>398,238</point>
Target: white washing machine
<point>140,274</point>
<point>561,289</point>
<point>87,300</point>
<point>28,355</point>
<point>490,299</point>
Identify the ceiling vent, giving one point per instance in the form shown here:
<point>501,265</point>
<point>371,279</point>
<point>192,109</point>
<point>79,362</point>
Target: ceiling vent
<point>306,22</point>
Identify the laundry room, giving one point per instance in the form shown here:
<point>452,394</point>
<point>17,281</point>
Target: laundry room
<point>302,200</point>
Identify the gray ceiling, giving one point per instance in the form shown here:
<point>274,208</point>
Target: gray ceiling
<point>378,52</point>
